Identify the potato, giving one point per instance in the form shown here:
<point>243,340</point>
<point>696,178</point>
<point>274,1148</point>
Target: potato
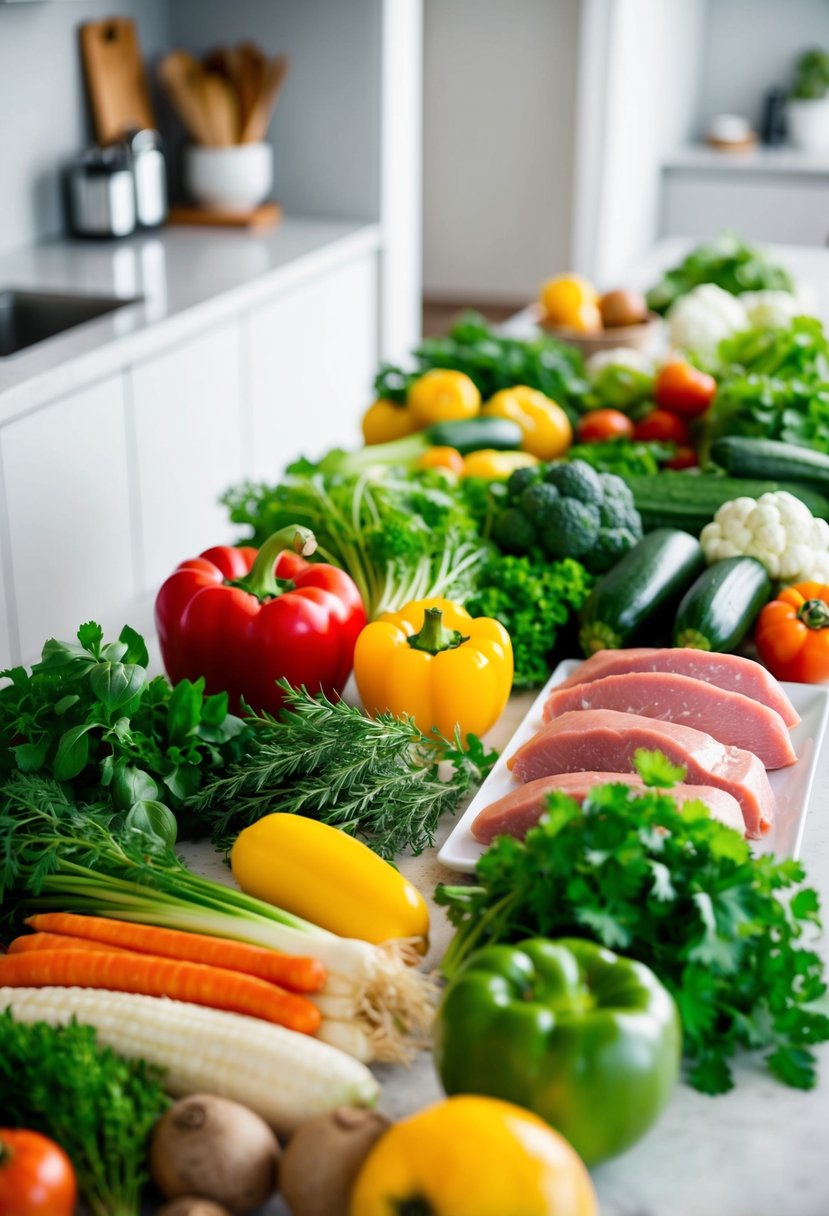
<point>216,1149</point>
<point>191,1205</point>
<point>323,1158</point>
<point>622,308</point>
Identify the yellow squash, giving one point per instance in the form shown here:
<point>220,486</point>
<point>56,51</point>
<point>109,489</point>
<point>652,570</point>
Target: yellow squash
<point>544,424</point>
<point>471,1156</point>
<point>384,421</point>
<point>435,662</point>
<point>443,396</point>
<point>321,874</point>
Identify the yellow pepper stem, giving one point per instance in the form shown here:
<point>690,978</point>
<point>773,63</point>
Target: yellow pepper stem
<point>434,637</point>
<point>415,1205</point>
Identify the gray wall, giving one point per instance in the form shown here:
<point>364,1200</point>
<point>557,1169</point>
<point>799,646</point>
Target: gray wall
<point>752,44</point>
<point>43,117</point>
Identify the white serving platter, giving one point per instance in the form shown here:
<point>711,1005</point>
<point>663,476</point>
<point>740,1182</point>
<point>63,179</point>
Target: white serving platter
<point>792,786</point>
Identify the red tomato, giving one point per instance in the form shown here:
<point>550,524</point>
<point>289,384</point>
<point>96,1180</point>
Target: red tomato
<point>36,1176</point>
<point>683,458</point>
<point>684,389</point>
<point>661,426</point>
<point>604,424</point>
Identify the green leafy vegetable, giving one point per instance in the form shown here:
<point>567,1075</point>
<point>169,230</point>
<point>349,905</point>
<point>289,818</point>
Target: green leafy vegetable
<point>623,456</point>
<point>377,778</point>
<point>98,1107</point>
<point>656,769</point>
<point>494,361</point>
<point>811,77</point>
<point>89,715</point>
<point>533,599</point>
<point>399,536</point>
<point>680,892</point>
<point>729,262</point>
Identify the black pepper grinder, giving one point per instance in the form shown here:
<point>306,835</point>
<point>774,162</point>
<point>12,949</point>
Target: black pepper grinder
<point>773,124</point>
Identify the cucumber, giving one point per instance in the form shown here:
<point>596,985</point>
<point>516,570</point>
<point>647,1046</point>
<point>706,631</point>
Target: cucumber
<point>472,434</point>
<point>718,610</point>
<point>689,502</point>
<point>650,578</point>
<point>769,458</point>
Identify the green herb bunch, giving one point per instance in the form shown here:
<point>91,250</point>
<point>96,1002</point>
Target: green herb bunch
<point>376,778</point>
<point>89,716</point>
<point>729,262</point>
<point>99,1107</point>
<point>681,892</point>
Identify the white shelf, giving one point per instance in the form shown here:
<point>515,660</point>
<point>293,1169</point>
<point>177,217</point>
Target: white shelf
<point>759,160</point>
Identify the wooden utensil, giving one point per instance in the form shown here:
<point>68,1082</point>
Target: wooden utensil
<point>180,75</point>
<point>256,124</point>
<point>221,108</point>
<point>115,79</point>
<point>250,67</point>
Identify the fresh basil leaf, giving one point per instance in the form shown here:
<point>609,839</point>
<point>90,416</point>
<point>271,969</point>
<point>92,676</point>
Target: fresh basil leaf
<point>183,711</point>
<point>153,818</point>
<point>117,684</point>
<point>73,752</point>
<point>113,652</point>
<point>58,656</point>
<point>18,676</point>
<point>136,651</point>
<point>31,756</point>
<point>131,784</point>
<point>183,781</point>
<point>65,703</point>
<point>214,709</point>
<point>228,729</point>
<point>107,771</point>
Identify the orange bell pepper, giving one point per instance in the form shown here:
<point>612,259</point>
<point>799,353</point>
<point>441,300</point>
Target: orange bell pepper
<point>792,634</point>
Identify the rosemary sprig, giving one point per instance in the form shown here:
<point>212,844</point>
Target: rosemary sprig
<point>376,778</point>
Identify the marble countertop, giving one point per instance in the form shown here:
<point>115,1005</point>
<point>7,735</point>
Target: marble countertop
<point>187,279</point>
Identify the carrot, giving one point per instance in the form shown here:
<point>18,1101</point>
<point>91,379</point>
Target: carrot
<point>197,983</point>
<point>58,941</point>
<point>296,974</point>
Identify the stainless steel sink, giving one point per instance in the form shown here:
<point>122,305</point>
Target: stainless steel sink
<point>27,317</point>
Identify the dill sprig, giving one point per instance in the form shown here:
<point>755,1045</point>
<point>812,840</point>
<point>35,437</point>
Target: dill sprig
<point>376,778</point>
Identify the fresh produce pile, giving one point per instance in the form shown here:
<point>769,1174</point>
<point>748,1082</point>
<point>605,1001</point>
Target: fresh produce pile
<point>512,505</point>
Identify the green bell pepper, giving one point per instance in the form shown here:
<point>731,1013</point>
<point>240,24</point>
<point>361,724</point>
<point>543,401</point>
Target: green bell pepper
<point>589,1041</point>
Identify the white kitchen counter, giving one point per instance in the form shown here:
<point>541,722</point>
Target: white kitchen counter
<point>188,278</point>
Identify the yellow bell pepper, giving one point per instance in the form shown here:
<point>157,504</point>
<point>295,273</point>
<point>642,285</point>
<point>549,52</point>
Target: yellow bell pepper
<point>495,465</point>
<point>384,421</point>
<point>473,1156</point>
<point>435,662</point>
<point>440,457</point>
<point>546,428</point>
<point>321,874</point>
<point>443,396</point>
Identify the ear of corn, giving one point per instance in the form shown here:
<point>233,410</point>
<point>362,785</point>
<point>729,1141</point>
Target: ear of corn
<point>285,1077</point>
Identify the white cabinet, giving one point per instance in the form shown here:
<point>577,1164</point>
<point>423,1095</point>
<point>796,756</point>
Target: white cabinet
<point>312,356</point>
<point>790,209</point>
<point>70,550</point>
<point>186,432</point>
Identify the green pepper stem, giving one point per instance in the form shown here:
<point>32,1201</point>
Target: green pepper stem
<point>814,614</point>
<point>433,636</point>
<point>414,1205</point>
<point>260,579</point>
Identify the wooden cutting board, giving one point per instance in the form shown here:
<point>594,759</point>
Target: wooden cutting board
<point>115,78</point>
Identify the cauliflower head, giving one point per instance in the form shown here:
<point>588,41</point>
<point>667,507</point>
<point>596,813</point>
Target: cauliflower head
<point>700,320</point>
<point>778,529</point>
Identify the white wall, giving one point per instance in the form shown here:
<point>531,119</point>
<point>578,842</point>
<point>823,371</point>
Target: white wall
<point>650,96</point>
<point>43,120</point>
<point>499,91</point>
<point>752,44</point>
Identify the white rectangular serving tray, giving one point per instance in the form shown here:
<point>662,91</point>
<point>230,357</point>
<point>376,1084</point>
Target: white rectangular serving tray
<point>792,786</point>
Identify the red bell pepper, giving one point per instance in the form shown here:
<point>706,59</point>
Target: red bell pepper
<point>243,620</point>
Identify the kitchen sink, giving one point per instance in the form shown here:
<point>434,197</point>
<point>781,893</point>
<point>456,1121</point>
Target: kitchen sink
<point>27,317</point>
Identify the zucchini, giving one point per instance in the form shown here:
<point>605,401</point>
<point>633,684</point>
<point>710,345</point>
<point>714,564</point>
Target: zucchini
<point>689,502</point>
<point>718,610</point>
<point>770,459</point>
<point>650,578</point>
<point>472,434</point>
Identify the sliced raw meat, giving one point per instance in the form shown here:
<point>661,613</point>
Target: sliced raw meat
<point>605,740</point>
<point>729,671</point>
<point>729,717</point>
<point>521,808</point>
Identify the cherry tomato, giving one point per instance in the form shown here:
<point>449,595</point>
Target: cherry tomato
<point>604,424</point>
<point>684,389</point>
<point>662,426</point>
<point>36,1176</point>
<point>683,458</point>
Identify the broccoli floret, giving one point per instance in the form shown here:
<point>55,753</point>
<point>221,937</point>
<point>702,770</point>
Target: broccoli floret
<point>616,487</point>
<point>520,479</point>
<point>536,501</point>
<point>610,544</point>
<point>514,532</point>
<point>616,514</point>
<point>576,480</point>
<point>571,529</point>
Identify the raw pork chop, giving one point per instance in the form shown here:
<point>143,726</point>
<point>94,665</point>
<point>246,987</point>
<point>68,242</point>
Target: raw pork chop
<point>729,717</point>
<point>729,671</point>
<point>604,740</point>
<point>521,808</point>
